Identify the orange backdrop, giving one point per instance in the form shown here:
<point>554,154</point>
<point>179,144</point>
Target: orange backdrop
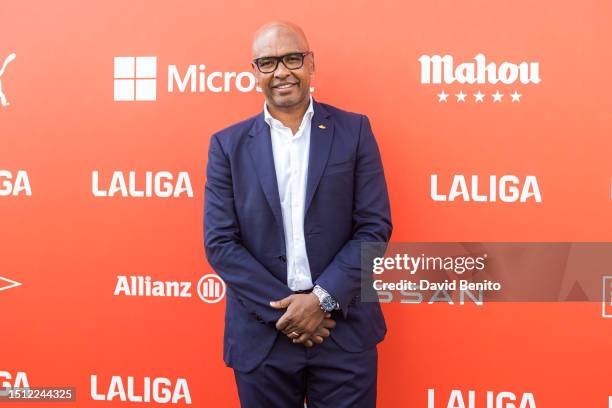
<point>66,246</point>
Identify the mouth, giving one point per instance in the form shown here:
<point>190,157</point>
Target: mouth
<point>286,85</point>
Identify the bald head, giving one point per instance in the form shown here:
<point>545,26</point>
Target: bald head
<point>266,39</point>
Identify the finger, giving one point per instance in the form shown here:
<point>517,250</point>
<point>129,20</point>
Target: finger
<point>308,343</point>
<point>329,323</point>
<point>297,340</point>
<point>323,332</point>
<point>317,339</point>
<point>282,323</point>
<point>290,324</point>
<point>283,303</point>
<point>299,326</point>
<point>303,338</point>
<point>292,327</point>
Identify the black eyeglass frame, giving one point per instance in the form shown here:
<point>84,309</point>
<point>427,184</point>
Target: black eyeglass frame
<point>281,58</point>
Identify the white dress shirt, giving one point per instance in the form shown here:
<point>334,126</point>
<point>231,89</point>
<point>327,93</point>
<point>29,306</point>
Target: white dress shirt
<point>291,164</point>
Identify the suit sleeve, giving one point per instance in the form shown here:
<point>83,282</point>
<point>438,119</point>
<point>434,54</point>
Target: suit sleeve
<point>253,284</point>
<point>371,221</point>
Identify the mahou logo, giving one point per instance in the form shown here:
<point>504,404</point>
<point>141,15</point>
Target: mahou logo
<point>436,69</point>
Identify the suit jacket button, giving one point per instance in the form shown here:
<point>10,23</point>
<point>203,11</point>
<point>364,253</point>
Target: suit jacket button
<point>282,258</point>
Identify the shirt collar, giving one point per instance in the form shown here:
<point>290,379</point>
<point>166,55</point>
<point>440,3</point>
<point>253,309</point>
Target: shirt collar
<point>270,120</point>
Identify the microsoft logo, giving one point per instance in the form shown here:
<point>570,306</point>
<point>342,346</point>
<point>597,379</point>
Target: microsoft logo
<point>135,78</point>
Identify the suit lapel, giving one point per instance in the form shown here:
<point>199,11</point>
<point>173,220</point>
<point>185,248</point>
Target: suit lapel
<point>321,138</point>
<point>260,149</point>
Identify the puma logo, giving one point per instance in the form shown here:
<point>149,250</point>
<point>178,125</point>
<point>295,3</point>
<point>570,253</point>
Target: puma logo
<point>10,58</point>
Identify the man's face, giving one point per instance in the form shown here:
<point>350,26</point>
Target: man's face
<point>283,88</point>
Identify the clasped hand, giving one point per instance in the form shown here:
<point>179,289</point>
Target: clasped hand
<point>304,321</point>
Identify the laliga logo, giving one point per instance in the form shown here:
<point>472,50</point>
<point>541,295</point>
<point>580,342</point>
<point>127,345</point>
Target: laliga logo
<point>507,188</point>
<point>10,58</point>
<point>161,390</point>
<point>437,69</point>
<point>7,381</point>
<point>19,185</point>
<point>504,399</point>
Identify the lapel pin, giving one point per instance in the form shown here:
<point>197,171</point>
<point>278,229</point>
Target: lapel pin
<point>322,127</point>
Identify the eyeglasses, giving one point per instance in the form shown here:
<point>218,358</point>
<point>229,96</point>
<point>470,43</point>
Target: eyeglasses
<point>294,60</point>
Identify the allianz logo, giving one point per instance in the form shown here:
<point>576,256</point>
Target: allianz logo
<point>210,288</point>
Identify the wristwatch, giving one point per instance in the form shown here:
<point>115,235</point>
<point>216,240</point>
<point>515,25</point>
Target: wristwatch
<point>326,301</point>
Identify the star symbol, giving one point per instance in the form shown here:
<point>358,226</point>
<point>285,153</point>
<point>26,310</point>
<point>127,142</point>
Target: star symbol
<point>497,97</point>
<point>442,96</point>
<point>479,96</point>
<point>516,97</point>
<point>460,96</point>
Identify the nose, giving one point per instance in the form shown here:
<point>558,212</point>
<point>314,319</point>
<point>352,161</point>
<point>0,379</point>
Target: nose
<point>281,71</point>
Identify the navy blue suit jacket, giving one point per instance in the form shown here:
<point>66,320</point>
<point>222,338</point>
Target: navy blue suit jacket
<point>346,203</point>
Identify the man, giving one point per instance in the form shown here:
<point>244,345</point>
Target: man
<point>291,194</point>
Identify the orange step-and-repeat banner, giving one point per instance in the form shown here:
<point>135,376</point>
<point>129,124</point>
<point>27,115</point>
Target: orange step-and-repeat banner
<point>106,112</point>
